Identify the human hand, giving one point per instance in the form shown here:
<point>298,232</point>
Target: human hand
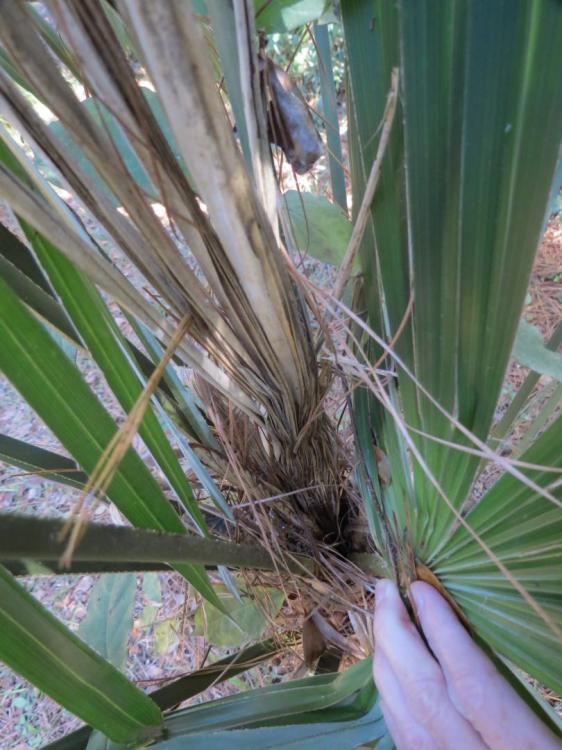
<point>456,700</point>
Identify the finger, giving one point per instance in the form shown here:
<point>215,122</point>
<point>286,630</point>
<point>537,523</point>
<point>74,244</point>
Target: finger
<point>392,726</point>
<point>475,686</point>
<point>418,674</point>
<point>405,731</point>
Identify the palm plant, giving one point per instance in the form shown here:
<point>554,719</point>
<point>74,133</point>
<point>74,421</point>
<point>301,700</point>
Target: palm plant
<point>454,130</point>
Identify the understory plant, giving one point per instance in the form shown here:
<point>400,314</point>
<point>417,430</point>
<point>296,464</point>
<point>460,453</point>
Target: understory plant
<point>323,434</point>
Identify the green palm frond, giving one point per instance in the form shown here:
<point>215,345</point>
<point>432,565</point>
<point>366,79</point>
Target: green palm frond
<point>158,131</point>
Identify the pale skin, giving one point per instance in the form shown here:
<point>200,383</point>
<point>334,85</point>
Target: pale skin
<point>453,699</point>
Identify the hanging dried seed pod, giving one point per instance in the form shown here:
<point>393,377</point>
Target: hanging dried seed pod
<point>290,124</point>
<point>383,467</point>
<point>313,642</point>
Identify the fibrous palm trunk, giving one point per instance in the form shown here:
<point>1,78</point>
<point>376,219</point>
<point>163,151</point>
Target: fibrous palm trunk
<point>251,338</point>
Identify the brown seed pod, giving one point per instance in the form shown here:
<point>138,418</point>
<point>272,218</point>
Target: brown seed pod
<point>290,124</point>
<point>313,642</point>
<point>383,467</point>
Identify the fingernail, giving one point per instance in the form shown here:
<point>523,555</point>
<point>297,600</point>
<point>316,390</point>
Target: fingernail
<point>382,589</point>
<point>418,596</point>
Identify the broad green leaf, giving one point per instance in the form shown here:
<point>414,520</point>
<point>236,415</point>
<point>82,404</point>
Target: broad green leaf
<point>286,15</point>
<point>165,635</point>
<point>279,15</point>
<point>109,619</point>
<point>106,628</point>
<point>248,619</point>
<point>320,228</point>
<point>152,588</point>
<point>40,648</point>
<point>529,350</point>
<point>148,615</point>
<point>56,390</point>
<point>37,460</point>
